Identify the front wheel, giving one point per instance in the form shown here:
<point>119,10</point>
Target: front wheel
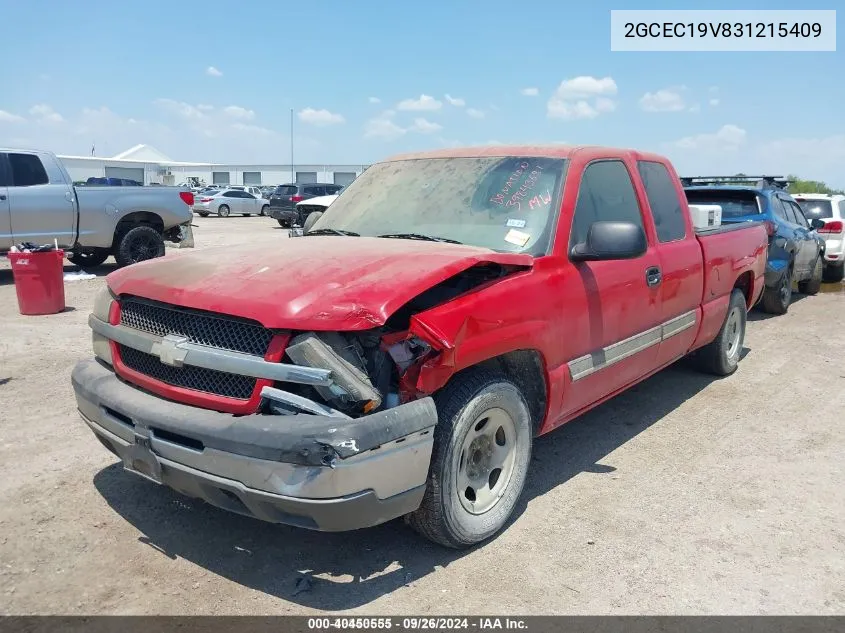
<point>479,464</point>
<point>138,244</point>
<point>721,356</point>
<point>834,273</point>
<point>223,211</point>
<point>814,284</point>
<point>776,300</point>
<point>283,223</point>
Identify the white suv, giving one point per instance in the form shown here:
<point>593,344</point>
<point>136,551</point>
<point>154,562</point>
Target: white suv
<point>831,210</point>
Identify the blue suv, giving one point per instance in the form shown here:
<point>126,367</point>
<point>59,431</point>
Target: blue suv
<point>796,250</point>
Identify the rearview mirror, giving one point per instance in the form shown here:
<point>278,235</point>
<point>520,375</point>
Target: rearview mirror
<point>610,240</point>
<point>816,224</point>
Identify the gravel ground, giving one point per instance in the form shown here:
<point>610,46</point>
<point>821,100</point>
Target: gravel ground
<point>685,495</point>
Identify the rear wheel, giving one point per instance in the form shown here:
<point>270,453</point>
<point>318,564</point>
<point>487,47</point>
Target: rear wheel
<point>834,273</point>
<point>138,244</point>
<point>814,284</point>
<point>721,356</point>
<point>776,300</point>
<point>264,209</point>
<point>283,223</point>
<point>482,448</point>
<point>223,211</point>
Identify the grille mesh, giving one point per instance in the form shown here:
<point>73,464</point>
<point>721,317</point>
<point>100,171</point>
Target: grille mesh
<point>197,378</point>
<point>198,327</point>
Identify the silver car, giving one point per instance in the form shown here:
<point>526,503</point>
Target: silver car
<point>228,201</point>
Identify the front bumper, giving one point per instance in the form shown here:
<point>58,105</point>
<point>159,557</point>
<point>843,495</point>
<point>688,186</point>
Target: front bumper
<point>309,471</point>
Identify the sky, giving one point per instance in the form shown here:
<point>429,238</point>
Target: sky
<point>216,82</point>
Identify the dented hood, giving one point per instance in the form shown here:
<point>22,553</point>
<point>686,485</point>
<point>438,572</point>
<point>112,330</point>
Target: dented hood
<point>305,283</point>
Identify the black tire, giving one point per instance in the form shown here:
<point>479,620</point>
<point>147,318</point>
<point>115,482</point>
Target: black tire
<point>284,224</point>
<point>246,215</point>
<point>721,356</point>
<point>204,214</point>
<point>138,244</point>
<point>834,273</point>
<point>264,210</point>
<point>776,300</point>
<point>814,284</point>
<point>223,211</point>
<point>310,220</point>
<point>91,258</point>
<point>442,516</point>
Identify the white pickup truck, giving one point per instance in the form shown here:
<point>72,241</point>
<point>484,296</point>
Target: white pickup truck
<point>38,203</point>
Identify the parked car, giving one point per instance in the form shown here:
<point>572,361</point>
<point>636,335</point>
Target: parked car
<point>38,203</point>
<point>400,357</point>
<point>796,251</point>
<point>284,199</point>
<point>228,201</point>
<point>830,209</point>
<point>309,211</point>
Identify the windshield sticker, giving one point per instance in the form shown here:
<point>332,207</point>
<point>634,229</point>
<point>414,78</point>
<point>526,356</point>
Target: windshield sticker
<point>515,199</point>
<point>519,224</point>
<point>517,237</point>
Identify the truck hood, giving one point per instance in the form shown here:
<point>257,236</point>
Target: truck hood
<point>306,283</point>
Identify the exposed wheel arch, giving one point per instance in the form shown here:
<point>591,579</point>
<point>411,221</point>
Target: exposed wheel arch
<point>137,218</point>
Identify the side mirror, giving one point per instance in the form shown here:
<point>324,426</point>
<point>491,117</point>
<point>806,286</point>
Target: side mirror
<point>816,224</point>
<point>610,240</point>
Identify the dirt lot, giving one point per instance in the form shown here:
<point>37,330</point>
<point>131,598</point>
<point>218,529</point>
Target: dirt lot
<point>685,495</point>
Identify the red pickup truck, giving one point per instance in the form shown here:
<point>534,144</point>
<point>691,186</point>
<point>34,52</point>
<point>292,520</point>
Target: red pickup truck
<point>399,357</point>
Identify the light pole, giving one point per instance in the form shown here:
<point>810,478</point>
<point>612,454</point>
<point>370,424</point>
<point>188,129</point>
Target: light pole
<point>292,169</point>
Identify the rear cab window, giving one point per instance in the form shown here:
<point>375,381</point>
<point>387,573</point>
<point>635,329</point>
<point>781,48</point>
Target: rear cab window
<point>816,209</point>
<point>666,209</point>
<point>27,170</point>
<point>606,194</point>
<point>735,203</point>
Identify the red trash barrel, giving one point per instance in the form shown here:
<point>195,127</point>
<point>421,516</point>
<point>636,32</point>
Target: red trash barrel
<point>39,281</point>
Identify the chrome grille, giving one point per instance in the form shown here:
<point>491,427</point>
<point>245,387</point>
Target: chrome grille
<point>187,376</point>
<point>201,328</point>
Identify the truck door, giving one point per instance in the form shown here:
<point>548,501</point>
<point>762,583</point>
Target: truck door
<point>611,308</point>
<point>41,202</point>
<point>681,265</point>
<point>5,218</point>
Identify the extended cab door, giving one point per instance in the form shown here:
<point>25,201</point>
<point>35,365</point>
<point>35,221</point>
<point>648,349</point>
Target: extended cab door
<point>611,308</point>
<point>681,265</point>
<point>41,202</point>
<point>6,240</point>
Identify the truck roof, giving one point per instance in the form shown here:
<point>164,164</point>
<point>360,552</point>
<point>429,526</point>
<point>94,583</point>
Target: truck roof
<point>545,151</point>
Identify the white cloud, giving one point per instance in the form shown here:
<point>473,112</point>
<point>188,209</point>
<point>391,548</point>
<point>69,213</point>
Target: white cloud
<point>374,100</point>
<point>319,118</point>
<point>180,109</point>
<point>213,72</point>
<point>582,98</point>
<point>455,101</point>
<point>383,127</point>
<point>8,117</point>
<point>475,114</point>
<point>424,103</point>
<point>695,107</point>
<point>728,138</point>
<point>253,129</point>
<point>529,92</point>
<point>205,107</point>
<point>424,126</point>
<point>45,114</point>
<point>237,112</point>
<point>714,102</point>
<point>665,100</point>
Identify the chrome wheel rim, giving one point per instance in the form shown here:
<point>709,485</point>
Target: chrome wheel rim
<point>734,331</point>
<point>786,287</point>
<point>223,211</point>
<point>486,461</point>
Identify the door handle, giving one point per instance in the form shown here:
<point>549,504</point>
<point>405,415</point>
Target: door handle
<point>653,276</point>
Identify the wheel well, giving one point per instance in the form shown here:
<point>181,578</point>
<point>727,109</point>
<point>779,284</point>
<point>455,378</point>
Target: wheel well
<point>745,283</point>
<point>525,367</point>
<point>139,218</point>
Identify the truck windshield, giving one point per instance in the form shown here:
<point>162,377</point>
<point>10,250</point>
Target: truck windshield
<point>503,203</point>
<point>735,203</point>
<point>815,209</point>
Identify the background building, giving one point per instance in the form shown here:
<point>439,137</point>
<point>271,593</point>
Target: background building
<point>148,165</point>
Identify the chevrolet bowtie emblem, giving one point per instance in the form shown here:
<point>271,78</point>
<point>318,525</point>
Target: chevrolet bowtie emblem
<point>171,351</point>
